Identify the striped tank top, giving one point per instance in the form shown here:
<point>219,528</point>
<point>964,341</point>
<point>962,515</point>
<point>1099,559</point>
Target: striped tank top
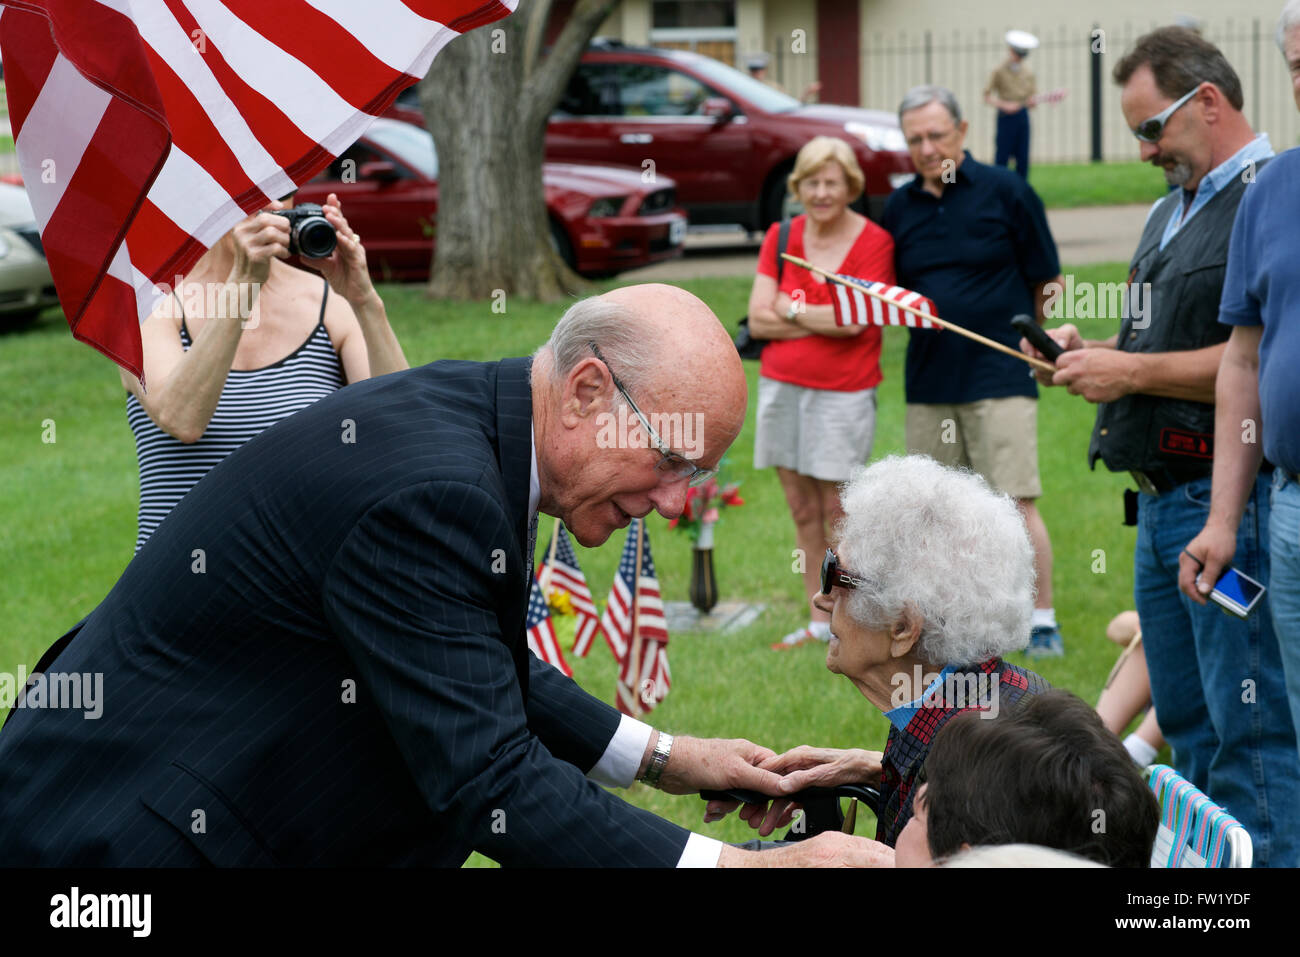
<point>251,401</point>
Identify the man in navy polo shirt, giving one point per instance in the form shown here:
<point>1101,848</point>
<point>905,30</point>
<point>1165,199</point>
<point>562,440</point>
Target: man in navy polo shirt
<point>975,239</point>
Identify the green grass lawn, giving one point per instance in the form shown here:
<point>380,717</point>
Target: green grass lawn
<point>1066,185</point>
<point>67,529</point>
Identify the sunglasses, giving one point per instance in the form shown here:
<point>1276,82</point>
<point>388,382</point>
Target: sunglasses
<point>833,574</point>
<point>1150,131</point>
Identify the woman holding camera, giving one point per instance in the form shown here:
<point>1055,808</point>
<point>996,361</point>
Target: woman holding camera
<point>246,341</point>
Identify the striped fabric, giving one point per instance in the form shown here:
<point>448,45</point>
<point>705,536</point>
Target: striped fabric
<point>541,632</point>
<point>146,130</point>
<point>251,402</point>
<point>862,303</point>
<point>645,682</point>
<point>1194,831</point>
<point>565,575</point>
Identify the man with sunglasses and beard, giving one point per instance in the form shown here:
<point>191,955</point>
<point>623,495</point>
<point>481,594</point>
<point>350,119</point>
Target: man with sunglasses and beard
<point>1216,681</point>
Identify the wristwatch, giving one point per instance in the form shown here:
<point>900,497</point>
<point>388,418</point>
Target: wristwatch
<point>658,760</point>
<point>792,312</point>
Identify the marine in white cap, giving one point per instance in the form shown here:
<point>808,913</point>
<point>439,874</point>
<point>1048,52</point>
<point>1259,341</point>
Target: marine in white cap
<point>1010,91</point>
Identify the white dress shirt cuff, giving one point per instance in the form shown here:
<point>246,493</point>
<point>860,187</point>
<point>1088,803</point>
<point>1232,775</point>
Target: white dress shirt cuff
<point>617,767</point>
<point>700,851</point>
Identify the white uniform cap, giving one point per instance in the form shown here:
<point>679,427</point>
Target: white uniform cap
<point>1021,40</point>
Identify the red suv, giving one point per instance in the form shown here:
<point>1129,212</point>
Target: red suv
<point>727,139</point>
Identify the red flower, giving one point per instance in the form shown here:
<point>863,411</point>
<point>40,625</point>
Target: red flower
<point>731,496</point>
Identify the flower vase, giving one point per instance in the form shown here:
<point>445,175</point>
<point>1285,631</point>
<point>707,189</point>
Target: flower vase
<point>704,586</point>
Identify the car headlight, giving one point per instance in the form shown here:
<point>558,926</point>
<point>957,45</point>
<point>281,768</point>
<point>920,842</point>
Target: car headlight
<point>608,206</point>
<point>4,247</point>
<point>882,139</point>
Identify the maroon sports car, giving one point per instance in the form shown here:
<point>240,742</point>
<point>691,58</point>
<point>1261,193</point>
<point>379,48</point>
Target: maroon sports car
<point>604,219</point>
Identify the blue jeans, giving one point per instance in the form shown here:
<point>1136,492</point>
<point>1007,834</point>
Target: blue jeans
<point>1284,585</point>
<point>1216,681</point>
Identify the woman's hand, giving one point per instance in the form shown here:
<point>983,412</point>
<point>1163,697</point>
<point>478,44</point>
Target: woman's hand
<point>807,767</point>
<point>259,239</point>
<point>345,269</point>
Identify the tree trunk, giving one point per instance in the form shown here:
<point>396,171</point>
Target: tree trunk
<point>486,100</point>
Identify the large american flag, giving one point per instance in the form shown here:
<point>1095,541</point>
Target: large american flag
<point>541,631</point>
<point>145,129</point>
<point>862,303</point>
<point>639,689</point>
<point>565,575</point>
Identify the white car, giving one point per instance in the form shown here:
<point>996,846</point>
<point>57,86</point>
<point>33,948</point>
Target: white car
<point>25,284</point>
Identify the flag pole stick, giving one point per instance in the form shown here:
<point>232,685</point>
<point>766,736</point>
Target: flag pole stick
<point>549,568</point>
<point>831,277</point>
<point>635,650</point>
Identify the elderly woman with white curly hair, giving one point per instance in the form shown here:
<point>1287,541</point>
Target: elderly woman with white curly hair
<point>932,584</point>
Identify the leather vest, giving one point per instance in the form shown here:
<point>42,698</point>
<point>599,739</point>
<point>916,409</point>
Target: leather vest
<point>1177,312</point>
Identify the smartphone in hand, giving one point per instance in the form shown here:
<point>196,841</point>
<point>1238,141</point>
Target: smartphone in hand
<point>1237,593</point>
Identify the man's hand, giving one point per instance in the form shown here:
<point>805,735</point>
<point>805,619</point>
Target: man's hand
<point>1099,375</point>
<point>718,764</point>
<point>1204,559</point>
<point>829,849</point>
<point>1066,336</point>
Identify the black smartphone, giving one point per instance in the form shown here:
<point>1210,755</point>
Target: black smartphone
<point>1039,339</point>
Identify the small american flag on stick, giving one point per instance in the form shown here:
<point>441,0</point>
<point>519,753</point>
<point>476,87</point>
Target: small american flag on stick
<point>926,318</point>
<point>858,302</point>
<point>541,631</point>
<point>635,628</point>
<point>561,571</point>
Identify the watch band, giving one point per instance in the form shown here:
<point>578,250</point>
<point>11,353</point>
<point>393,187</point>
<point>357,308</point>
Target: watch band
<point>658,760</point>
<point>792,312</point>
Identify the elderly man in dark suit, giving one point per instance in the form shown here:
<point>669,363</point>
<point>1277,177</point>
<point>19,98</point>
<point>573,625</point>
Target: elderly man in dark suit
<point>319,657</point>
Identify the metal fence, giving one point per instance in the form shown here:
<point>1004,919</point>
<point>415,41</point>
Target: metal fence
<point>1062,132</point>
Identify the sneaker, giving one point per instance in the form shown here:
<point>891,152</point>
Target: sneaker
<point>800,636</point>
<point>1045,642</point>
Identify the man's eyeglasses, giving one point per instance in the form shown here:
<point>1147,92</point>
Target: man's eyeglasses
<point>833,574</point>
<point>932,138</point>
<point>678,466</point>
<point>1150,131</point>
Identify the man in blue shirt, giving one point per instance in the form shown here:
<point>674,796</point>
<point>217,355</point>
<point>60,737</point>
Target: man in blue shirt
<point>1216,681</point>
<point>1258,391</point>
<point>975,240</point>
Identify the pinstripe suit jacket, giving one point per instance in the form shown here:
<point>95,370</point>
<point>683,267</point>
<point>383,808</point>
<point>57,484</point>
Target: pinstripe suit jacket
<point>319,659</point>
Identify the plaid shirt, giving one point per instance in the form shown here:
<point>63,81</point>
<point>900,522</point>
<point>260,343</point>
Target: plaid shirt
<point>905,751</point>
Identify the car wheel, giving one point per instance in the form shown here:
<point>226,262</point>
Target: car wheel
<point>778,204</point>
<point>18,320</point>
<point>560,243</point>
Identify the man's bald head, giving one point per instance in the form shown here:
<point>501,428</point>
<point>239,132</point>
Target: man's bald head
<point>658,339</point>
<point>677,364</point>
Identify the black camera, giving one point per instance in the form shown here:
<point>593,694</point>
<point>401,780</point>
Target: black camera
<point>310,233</point>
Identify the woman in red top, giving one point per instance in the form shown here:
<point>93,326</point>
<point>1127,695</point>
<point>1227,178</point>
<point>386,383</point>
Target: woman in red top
<point>817,388</point>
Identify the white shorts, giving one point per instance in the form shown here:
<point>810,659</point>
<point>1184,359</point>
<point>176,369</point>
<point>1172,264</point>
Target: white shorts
<point>816,432</point>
